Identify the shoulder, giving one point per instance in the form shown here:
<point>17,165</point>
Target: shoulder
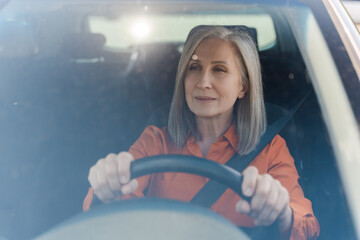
<point>152,141</point>
<point>277,141</point>
<point>153,130</point>
<point>277,144</point>
<point>279,153</point>
<point>278,147</point>
<point>274,154</point>
<point>153,134</point>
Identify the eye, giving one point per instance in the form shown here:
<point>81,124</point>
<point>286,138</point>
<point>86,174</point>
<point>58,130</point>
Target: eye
<point>194,67</point>
<point>220,69</point>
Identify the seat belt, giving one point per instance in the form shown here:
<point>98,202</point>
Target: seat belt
<point>213,190</point>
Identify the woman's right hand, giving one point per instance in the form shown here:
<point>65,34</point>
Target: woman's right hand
<point>110,177</point>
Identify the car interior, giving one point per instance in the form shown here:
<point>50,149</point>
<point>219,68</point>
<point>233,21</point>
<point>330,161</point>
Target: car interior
<point>66,100</point>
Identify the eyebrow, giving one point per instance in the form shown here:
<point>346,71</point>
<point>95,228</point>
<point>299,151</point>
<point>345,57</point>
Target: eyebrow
<point>214,62</point>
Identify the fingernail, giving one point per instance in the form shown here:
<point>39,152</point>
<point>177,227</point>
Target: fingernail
<point>123,179</point>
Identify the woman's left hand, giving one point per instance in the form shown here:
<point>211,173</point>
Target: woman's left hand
<point>269,199</point>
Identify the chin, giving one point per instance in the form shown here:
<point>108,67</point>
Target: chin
<point>204,114</point>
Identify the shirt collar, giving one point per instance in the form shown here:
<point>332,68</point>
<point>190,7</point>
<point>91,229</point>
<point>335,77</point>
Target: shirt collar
<point>230,136</point>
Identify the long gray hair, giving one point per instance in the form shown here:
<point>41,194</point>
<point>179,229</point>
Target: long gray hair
<point>249,115</point>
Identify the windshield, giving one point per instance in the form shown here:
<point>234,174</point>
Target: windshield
<point>79,80</point>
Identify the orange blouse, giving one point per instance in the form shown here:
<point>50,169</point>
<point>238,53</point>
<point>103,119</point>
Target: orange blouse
<point>275,160</point>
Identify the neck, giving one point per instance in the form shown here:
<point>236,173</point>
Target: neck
<point>210,129</point>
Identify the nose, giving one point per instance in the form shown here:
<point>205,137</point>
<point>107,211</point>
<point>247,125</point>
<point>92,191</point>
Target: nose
<point>204,81</point>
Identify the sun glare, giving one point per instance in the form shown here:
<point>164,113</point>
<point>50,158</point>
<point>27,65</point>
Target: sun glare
<point>141,28</point>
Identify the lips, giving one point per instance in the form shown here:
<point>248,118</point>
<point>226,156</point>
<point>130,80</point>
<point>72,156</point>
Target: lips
<point>204,98</point>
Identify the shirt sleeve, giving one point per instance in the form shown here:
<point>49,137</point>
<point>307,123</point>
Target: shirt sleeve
<point>150,143</point>
<point>282,167</point>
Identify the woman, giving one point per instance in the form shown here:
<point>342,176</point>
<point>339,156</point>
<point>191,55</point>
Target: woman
<point>217,110</point>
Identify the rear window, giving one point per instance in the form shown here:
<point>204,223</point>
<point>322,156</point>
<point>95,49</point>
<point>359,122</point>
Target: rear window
<point>124,31</point>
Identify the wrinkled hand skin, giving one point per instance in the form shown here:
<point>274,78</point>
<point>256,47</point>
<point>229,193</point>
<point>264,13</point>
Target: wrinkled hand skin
<point>110,177</point>
<point>269,200</point>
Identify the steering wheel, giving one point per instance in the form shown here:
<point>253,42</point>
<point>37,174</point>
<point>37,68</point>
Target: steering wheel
<point>157,218</point>
<point>189,164</point>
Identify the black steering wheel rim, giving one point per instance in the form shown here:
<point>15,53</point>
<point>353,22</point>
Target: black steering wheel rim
<point>189,164</point>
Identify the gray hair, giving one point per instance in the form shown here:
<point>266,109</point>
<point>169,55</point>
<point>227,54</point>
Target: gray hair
<point>249,115</point>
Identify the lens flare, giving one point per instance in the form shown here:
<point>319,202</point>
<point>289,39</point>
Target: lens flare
<point>141,28</point>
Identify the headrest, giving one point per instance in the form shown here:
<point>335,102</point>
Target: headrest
<point>83,45</point>
<point>234,28</point>
<point>160,55</point>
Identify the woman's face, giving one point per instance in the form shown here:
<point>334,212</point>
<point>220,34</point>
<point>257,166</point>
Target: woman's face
<point>212,81</point>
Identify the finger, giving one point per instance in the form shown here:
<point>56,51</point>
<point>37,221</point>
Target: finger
<point>124,160</point>
<point>94,183</point>
<point>249,181</point>
<point>112,174</point>
<point>130,187</point>
<point>270,204</point>
<point>104,188</point>
<point>92,178</point>
<point>262,191</point>
<point>282,202</point>
<point>242,207</point>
